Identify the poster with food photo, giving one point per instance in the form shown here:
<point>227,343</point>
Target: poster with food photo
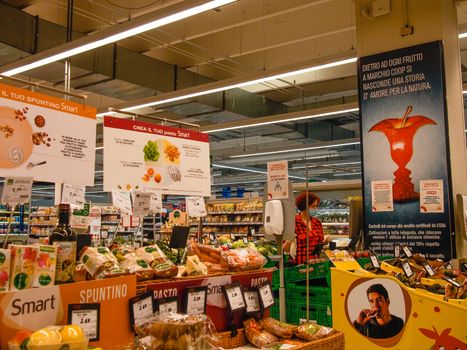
<point>46,138</point>
<point>139,156</point>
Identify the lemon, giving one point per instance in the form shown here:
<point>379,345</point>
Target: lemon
<point>71,333</point>
<point>45,336</point>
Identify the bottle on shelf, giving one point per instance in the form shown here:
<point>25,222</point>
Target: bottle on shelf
<point>64,238</point>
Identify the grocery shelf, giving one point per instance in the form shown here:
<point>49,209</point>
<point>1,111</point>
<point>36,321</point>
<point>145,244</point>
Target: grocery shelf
<point>9,212</point>
<point>42,215</point>
<point>335,223</point>
<point>334,210</point>
<point>235,212</point>
<point>109,223</point>
<point>231,223</point>
<point>43,224</point>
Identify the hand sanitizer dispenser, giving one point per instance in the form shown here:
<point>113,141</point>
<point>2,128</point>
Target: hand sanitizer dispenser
<point>273,218</point>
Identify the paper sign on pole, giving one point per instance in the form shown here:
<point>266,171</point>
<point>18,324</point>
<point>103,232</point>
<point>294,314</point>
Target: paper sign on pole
<point>431,196</point>
<point>17,190</point>
<point>141,203</point>
<point>122,201</point>
<point>156,203</point>
<point>73,195</point>
<point>47,138</point>
<point>195,206</point>
<point>278,180</point>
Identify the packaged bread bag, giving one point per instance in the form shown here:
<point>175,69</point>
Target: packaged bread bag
<point>100,263</point>
<point>5,263</point>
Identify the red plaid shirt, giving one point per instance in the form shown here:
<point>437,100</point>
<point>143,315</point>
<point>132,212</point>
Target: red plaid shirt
<point>316,236</point>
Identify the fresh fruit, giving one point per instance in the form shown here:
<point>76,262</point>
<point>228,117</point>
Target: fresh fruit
<point>20,336</point>
<point>157,178</point>
<point>150,172</point>
<point>45,336</point>
<point>71,333</point>
<point>145,178</point>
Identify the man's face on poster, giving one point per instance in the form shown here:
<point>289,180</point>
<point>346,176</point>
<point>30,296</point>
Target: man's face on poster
<point>379,305</point>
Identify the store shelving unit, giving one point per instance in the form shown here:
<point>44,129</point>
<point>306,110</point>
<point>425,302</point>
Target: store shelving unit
<point>334,216</point>
<point>151,228</point>
<point>19,220</point>
<point>42,221</point>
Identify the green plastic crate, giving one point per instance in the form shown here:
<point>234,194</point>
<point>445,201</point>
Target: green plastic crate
<point>274,310</point>
<point>321,313</point>
<point>320,269</point>
<point>276,278</point>
<point>317,294</point>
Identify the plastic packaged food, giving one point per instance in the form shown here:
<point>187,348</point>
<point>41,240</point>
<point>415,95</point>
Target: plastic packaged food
<point>152,254</point>
<point>243,259</point>
<point>44,272</point>
<point>100,263</point>
<point>165,269</point>
<point>50,338</point>
<point>312,331</point>
<point>23,262</point>
<point>277,328</point>
<point>205,253</point>
<point>256,335</point>
<point>195,267</point>
<point>5,263</point>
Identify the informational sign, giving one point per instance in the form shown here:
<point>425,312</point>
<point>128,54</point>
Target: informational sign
<point>278,180</point>
<point>431,196</point>
<point>17,190</point>
<point>73,195</point>
<point>95,221</point>
<point>406,250</point>
<point>141,203</point>
<point>168,305</point>
<point>374,261</point>
<point>196,300</point>
<point>234,296</point>
<point>266,297</point>
<point>407,269</point>
<point>195,207</point>
<point>47,138</point>
<point>156,203</point>
<point>122,201</point>
<point>429,269</point>
<point>381,196</point>
<point>167,159</point>
<point>402,105</point>
<point>141,308</point>
<point>252,301</point>
<point>87,316</point>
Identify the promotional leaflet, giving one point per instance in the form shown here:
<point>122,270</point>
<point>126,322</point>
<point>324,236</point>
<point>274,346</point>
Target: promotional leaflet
<point>278,178</point>
<point>166,159</point>
<point>47,138</point>
<point>404,148</point>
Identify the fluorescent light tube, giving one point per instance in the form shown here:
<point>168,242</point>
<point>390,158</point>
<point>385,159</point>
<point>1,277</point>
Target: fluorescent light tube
<point>251,170</point>
<point>325,165</point>
<point>348,174</point>
<point>111,38</point>
<point>463,35</point>
<point>296,150</point>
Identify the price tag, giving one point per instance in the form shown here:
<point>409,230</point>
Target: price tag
<point>448,266</point>
<point>252,301</point>
<point>195,206</point>
<point>196,300</point>
<point>73,195</point>
<point>168,305</point>
<point>17,190</point>
<point>141,308</point>
<point>122,201</point>
<point>266,297</point>
<point>87,316</point>
<point>407,269</point>
<point>245,240</point>
<point>232,236</point>
<point>141,203</point>
<point>407,251</point>
<point>428,269</point>
<point>233,294</point>
<point>453,282</point>
<point>464,267</point>
<point>397,251</point>
<point>253,231</point>
<point>155,205</point>
<point>212,237</point>
<point>374,261</point>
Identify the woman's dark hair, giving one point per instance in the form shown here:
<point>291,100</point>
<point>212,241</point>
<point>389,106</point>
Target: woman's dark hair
<point>378,288</point>
<point>300,201</point>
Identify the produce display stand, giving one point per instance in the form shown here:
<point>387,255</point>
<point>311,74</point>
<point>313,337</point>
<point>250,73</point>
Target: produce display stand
<point>427,318</point>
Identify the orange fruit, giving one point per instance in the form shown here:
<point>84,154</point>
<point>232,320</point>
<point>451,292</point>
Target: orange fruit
<point>71,333</point>
<point>150,171</point>
<point>157,177</point>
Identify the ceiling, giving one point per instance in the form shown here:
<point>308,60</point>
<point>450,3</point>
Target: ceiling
<point>244,38</point>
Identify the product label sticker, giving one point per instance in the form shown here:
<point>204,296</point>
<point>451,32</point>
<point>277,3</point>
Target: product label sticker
<point>17,190</point>
<point>87,316</point>
<point>252,301</point>
<point>234,296</point>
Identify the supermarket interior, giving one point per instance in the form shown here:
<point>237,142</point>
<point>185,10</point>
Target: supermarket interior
<point>233,174</point>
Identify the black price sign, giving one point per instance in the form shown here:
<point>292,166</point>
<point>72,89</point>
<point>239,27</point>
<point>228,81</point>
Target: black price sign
<point>252,301</point>
<point>141,308</point>
<point>212,238</point>
<point>234,296</point>
<point>195,300</point>
<point>165,306</point>
<point>407,251</point>
<point>374,260</point>
<point>397,251</point>
<point>266,298</point>
<point>245,240</point>
<point>448,266</point>
<point>464,267</point>
<point>453,282</point>
<point>429,270</point>
<point>87,316</point>
<point>407,269</point>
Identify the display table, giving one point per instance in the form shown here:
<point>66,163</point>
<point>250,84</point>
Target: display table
<point>426,318</point>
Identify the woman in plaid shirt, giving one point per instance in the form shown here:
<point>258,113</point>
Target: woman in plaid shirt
<point>315,229</point>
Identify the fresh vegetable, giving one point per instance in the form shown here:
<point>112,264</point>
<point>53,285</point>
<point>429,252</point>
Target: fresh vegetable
<point>150,151</point>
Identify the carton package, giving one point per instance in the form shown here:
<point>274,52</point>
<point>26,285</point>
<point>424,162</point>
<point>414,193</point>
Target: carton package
<point>44,272</point>
<point>23,262</point>
<point>5,263</point>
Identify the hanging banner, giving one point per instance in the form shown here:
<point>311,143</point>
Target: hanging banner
<point>278,179</point>
<point>47,138</point>
<point>195,207</point>
<point>404,144</point>
<point>144,155</point>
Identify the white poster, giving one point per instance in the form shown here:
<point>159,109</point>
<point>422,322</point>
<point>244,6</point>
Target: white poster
<point>73,195</point>
<point>431,196</point>
<point>122,201</point>
<point>195,207</point>
<point>381,196</point>
<point>142,155</point>
<point>17,190</point>
<point>46,138</point>
<point>155,206</point>
<point>278,180</point>
<point>141,203</point>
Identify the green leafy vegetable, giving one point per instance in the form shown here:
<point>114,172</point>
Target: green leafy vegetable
<point>150,151</point>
